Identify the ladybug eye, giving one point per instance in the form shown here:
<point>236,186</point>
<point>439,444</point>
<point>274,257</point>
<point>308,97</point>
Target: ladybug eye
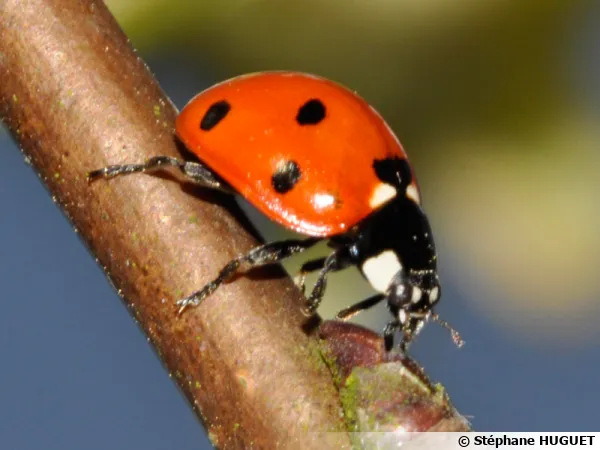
<point>214,115</point>
<point>311,113</point>
<point>286,176</point>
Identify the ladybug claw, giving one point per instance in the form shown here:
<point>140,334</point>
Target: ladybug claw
<point>308,311</point>
<point>300,284</point>
<point>184,303</point>
<point>91,176</point>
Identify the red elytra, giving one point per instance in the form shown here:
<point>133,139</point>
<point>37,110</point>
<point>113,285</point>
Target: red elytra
<point>337,187</point>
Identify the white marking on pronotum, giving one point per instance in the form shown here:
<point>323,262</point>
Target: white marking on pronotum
<point>434,295</point>
<point>417,293</point>
<point>413,193</point>
<point>381,194</point>
<point>381,269</point>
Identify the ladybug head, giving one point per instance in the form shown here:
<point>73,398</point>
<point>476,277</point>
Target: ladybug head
<point>411,297</point>
<point>414,292</point>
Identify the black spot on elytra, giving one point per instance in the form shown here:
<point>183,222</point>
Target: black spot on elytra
<point>311,113</point>
<point>394,171</point>
<point>286,176</point>
<point>214,115</point>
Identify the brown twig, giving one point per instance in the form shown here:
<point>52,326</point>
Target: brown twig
<point>384,392</point>
<point>76,97</point>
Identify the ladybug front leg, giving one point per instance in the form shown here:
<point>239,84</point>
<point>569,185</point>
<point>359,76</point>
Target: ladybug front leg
<point>388,335</point>
<point>265,254</point>
<point>410,332</point>
<point>192,171</point>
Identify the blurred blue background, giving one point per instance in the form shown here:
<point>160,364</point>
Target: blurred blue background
<point>497,104</point>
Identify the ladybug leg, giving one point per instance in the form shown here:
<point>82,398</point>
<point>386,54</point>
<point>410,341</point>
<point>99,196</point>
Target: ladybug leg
<point>334,262</point>
<point>352,310</point>
<point>410,330</point>
<point>388,335</point>
<point>307,267</point>
<point>265,254</point>
<point>192,171</point>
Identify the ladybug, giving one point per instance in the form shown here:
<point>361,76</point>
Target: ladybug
<point>318,159</point>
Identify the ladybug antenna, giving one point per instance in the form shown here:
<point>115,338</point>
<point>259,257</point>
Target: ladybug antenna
<point>458,341</point>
